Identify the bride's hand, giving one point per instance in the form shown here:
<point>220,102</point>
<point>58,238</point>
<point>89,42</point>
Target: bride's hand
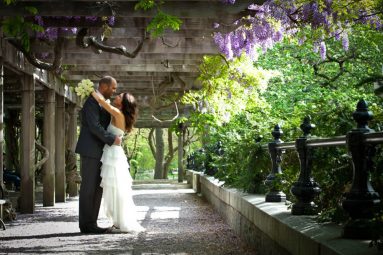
<point>94,94</point>
<point>97,96</point>
<point>117,140</point>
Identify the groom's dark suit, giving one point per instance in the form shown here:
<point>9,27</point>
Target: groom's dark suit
<point>93,137</point>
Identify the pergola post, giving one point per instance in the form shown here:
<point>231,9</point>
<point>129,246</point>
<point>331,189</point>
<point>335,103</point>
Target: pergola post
<point>71,140</point>
<point>1,118</point>
<point>49,143</point>
<point>27,196</point>
<point>60,150</point>
<point>71,137</point>
<point>180,153</point>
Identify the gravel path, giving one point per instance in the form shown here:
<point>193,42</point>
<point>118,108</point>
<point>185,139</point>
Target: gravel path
<point>177,221</point>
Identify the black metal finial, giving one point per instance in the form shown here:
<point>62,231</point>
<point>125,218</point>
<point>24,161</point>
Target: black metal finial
<point>277,133</point>
<point>306,126</point>
<point>362,115</point>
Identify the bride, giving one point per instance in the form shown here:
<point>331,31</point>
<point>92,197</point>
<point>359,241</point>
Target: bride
<point>116,180</point>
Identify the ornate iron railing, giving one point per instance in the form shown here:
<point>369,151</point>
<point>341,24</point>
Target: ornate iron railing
<point>361,202</point>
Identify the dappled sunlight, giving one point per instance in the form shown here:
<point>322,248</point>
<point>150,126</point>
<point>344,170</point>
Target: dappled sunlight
<point>165,213</point>
<point>162,191</point>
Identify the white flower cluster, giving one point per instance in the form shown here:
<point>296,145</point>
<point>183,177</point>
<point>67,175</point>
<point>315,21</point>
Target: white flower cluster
<point>84,88</point>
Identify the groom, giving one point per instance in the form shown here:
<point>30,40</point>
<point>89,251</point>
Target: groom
<point>93,137</point>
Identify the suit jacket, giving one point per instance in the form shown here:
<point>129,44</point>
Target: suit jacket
<point>93,134</point>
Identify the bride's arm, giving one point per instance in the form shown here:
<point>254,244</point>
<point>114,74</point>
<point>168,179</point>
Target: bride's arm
<point>115,112</point>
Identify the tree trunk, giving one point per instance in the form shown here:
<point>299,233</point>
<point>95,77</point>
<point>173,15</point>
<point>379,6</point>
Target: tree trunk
<point>170,155</point>
<point>158,171</point>
<point>151,142</point>
<point>181,153</point>
<point>133,154</point>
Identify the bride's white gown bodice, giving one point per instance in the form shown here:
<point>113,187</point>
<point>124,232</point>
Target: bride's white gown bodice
<point>117,186</point>
<point>114,130</point>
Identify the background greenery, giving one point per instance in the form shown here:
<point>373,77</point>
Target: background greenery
<point>294,82</point>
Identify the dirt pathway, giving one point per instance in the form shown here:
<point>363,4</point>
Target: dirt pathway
<point>177,221</point>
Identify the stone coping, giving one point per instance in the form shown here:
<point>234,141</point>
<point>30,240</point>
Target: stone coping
<point>294,234</point>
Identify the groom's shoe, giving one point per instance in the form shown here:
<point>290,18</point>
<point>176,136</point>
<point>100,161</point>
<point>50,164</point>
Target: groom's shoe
<point>93,230</point>
<point>113,230</point>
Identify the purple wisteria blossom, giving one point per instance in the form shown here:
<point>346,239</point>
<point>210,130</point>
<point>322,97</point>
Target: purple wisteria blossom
<point>51,33</point>
<point>228,1</point>
<point>345,42</point>
<point>322,50</point>
<point>111,20</point>
<point>273,20</point>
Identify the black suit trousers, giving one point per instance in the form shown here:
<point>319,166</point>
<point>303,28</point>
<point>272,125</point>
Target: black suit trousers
<point>90,192</point>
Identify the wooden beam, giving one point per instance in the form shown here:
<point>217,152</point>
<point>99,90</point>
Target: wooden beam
<point>184,46</point>
<point>71,58</point>
<point>125,78</point>
<point>14,60</point>
<point>139,68</point>
<point>90,61</point>
<point>134,26</point>
<point>101,73</point>
<point>185,9</point>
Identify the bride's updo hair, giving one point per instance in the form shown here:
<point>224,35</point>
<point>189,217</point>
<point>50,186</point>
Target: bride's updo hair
<point>130,110</point>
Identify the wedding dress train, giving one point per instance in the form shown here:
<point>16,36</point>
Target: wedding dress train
<point>116,182</point>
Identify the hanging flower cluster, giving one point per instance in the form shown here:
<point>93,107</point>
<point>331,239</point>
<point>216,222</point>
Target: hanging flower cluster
<point>84,88</point>
<point>275,19</point>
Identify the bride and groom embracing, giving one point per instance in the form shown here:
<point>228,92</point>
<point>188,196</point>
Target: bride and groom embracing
<point>104,166</point>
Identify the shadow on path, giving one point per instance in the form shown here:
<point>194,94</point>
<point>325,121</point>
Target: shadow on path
<point>176,221</point>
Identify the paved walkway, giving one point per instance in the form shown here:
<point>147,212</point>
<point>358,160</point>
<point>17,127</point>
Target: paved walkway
<point>177,221</point>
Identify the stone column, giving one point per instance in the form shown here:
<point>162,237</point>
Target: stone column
<point>71,140</point>
<point>27,196</point>
<point>1,118</point>
<point>180,153</point>
<point>60,150</point>
<point>49,143</point>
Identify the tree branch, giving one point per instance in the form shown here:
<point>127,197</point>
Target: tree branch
<point>91,41</point>
<point>30,56</point>
<point>340,61</point>
<point>370,79</point>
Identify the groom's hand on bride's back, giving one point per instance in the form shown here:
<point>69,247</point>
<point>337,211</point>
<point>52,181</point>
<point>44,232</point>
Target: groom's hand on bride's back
<point>117,140</point>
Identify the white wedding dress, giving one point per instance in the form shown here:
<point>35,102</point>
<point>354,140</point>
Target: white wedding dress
<point>116,182</point>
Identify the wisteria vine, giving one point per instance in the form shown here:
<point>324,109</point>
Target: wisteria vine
<point>51,33</point>
<point>275,19</point>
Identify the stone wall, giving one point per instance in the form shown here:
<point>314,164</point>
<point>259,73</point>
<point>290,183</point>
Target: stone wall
<point>270,227</point>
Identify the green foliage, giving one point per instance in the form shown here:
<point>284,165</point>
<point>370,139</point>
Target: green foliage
<point>32,10</point>
<point>228,88</point>
<point>140,157</point>
<point>16,27</point>
<point>304,85</point>
<point>161,21</point>
<point>145,5</point>
<point>8,2</point>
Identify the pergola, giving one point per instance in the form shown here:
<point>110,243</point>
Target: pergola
<point>156,70</point>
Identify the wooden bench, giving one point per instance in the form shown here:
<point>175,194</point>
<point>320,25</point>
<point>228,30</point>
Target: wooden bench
<point>2,202</point>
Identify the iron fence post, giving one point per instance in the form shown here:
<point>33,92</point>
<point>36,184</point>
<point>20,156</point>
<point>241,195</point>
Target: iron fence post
<point>275,194</point>
<point>305,189</point>
<point>362,200</point>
